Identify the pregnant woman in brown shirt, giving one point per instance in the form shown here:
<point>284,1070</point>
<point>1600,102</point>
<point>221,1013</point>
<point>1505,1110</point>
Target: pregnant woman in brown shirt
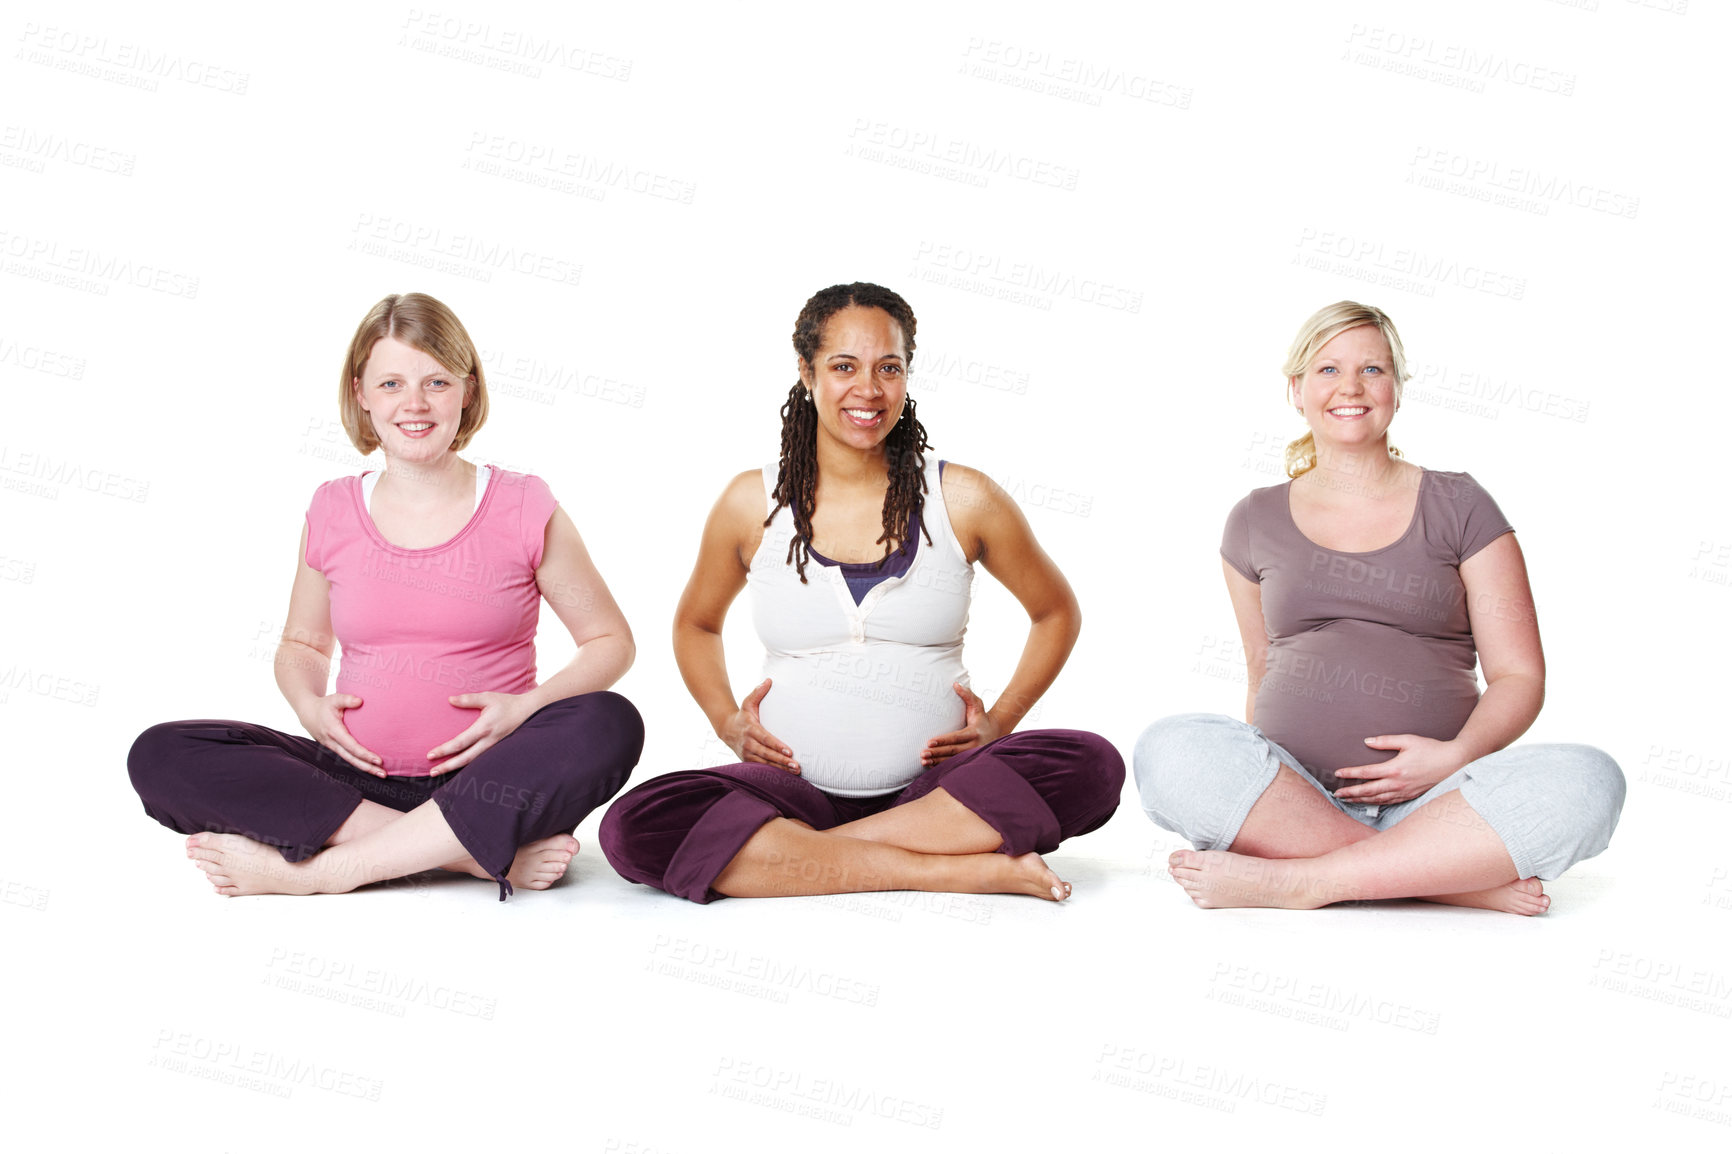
<point>1363,589</point>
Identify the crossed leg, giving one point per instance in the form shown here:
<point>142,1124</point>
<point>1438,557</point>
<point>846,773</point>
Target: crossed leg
<point>934,843</point>
<point>1297,851</point>
<point>375,843</point>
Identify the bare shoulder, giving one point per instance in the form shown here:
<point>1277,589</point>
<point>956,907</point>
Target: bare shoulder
<point>981,512</point>
<point>970,493</point>
<point>744,495</point>
<point>737,520</point>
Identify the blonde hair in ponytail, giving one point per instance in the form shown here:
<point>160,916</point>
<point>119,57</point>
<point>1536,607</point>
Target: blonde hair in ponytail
<point>1325,325</point>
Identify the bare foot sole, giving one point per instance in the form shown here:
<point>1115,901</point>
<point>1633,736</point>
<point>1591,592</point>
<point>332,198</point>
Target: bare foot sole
<point>238,866</point>
<point>1215,879</point>
<point>1526,897</point>
<point>536,866</point>
<point>1028,874</point>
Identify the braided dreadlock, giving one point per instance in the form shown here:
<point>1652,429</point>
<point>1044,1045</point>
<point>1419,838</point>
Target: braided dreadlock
<point>904,449</point>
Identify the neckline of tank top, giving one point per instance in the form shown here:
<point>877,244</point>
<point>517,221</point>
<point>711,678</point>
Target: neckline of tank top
<point>944,546</point>
<point>484,489</point>
<point>872,568</point>
<point>1412,522</point>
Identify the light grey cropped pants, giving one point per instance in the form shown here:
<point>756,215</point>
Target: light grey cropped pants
<point>1553,805</point>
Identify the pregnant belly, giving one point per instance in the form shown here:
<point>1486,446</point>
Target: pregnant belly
<point>401,725</point>
<point>857,723</point>
<point>1326,691</point>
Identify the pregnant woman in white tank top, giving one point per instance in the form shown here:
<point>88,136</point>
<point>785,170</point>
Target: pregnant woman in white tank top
<point>866,762</point>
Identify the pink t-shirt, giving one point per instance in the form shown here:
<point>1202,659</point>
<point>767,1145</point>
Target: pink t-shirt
<point>418,626</point>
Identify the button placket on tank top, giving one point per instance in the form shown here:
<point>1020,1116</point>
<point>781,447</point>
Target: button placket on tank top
<point>856,614</point>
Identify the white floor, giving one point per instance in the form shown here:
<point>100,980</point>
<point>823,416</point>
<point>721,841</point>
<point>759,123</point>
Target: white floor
<point>607,1017</point>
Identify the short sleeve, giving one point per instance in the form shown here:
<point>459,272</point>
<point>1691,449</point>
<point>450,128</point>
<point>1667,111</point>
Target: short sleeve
<point>1482,522</point>
<point>1236,541</point>
<point>318,521</point>
<point>536,510</point>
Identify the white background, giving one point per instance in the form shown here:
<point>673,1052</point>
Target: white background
<point>1109,220</point>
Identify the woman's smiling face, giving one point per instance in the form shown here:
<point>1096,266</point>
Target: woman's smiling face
<point>859,377</point>
<point>415,402</point>
<point>1348,391</point>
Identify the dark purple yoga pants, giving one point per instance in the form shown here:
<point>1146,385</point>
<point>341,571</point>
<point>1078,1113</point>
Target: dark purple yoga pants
<point>679,831</point>
<point>293,793</point>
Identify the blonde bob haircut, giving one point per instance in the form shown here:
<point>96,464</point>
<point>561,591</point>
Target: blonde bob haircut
<point>422,323</point>
<point>1325,325</point>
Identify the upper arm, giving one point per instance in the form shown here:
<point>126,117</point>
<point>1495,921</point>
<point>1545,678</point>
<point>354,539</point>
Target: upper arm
<point>993,531</point>
<point>569,580</point>
<point>731,535</point>
<point>1500,610</point>
<point>309,618</point>
<point>1247,598</point>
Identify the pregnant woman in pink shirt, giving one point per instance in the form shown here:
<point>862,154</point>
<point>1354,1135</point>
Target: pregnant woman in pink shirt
<point>438,748</point>
<point>1371,765</point>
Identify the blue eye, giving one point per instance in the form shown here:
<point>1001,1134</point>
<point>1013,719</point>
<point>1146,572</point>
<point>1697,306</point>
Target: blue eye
<point>1327,369</point>
<point>1372,369</point>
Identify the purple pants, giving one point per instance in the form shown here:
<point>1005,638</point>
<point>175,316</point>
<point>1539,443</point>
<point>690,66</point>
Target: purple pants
<point>293,793</point>
<point>679,831</point>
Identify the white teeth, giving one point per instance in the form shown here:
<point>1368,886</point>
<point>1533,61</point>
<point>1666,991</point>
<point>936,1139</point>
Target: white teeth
<point>416,428</point>
<point>1350,411</point>
<point>860,414</point>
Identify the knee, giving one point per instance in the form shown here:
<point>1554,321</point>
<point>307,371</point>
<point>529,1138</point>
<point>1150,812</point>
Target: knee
<point>1595,785</point>
<point>621,719</point>
<point>642,832</point>
<point>620,828</point>
<point>1101,767</point>
<point>158,754</point>
<point>602,728</point>
<point>1172,749</point>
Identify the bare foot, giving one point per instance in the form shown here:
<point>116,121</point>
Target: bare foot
<point>541,863</point>
<point>238,866</point>
<point>1215,879</point>
<point>1028,874</point>
<point>1526,897</point>
<point>536,866</point>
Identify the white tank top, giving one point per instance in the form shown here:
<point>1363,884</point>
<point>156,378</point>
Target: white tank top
<point>858,690</point>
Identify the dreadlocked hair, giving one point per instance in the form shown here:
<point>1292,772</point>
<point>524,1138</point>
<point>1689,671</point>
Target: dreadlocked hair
<point>904,449</point>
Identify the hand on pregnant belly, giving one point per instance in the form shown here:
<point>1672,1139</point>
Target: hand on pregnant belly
<point>324,721</point>
<point>1419,764</point>
<point>978,729</point>
<point>500,715</point>
<point>745,734</point>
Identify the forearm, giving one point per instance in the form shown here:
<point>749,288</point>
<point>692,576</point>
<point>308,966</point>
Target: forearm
<point>1504,712</point>
<point>1254,670</point>
<point>303,674</point>
<point>704,668</point>
<point>598,663</point>
<point>1050,640</point>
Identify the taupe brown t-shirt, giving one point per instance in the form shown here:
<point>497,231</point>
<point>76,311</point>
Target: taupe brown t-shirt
<point>1364,644</point>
